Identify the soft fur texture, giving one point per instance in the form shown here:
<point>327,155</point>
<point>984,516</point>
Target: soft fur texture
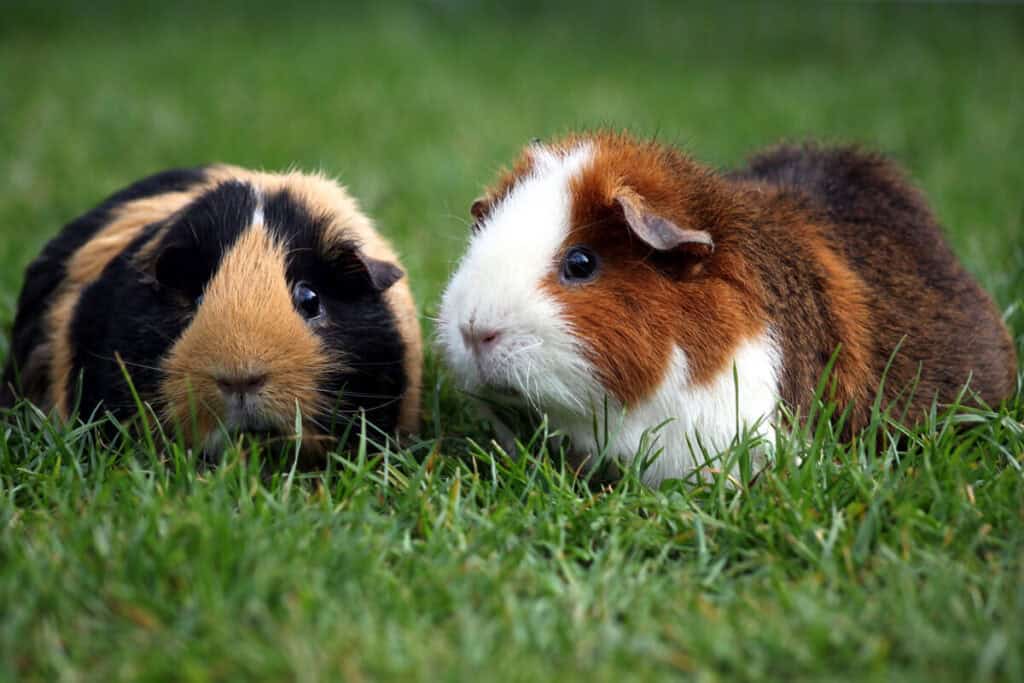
<point>188,277</point>
<point>765,271</point>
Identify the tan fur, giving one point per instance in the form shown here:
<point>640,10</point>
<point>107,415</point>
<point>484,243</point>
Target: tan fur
<point>128,222</point>
<point>242,330</point>
<point>60,346</point>
<point>86,265</point>
<point>853,328</point>
<point>349,224</point>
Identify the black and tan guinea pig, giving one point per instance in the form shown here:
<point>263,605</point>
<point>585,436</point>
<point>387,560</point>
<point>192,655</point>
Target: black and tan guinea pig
<point>233,298</point>
<point>607,275</point>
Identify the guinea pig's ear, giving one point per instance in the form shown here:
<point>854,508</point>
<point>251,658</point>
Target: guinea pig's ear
<point>178,267</point>
<point>382,274</point>
<point>478,210</point>
<point>658,232</point>
<point>353,262</point>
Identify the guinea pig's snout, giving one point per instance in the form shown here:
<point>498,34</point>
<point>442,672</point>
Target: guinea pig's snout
<point>241,384</point>
<point>479,339</point>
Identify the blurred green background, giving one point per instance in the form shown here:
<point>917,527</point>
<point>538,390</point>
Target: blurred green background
<point>902,567</point>
<point>415,106</point>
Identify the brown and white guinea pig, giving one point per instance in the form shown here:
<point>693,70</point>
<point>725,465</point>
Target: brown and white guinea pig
<point>234,298</point>
<point>607,271</point>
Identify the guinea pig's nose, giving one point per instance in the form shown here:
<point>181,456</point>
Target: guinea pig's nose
<point>241,384</point>
<point>479,338</point>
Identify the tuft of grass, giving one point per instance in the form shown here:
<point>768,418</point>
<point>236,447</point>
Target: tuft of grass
<point>895,556</point>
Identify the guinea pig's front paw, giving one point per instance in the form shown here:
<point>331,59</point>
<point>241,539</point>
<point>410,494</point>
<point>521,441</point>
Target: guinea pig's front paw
<point>504,437</point>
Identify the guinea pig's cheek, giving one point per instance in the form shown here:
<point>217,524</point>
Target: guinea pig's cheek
<point>629,355</point>
<point>190,402</point>
<point>627,366</point>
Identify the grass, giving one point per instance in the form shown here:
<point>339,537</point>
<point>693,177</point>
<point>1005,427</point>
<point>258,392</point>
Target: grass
<point>901,561</point>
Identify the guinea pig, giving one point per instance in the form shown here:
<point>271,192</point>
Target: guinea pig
<point>608,276</point>
<point>233,299</point>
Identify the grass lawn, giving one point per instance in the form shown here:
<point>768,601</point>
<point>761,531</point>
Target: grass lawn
<point>904,562</point>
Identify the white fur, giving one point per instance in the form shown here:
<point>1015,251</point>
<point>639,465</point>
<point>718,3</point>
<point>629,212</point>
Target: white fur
<point>258,216</point>
<point>243,412</point>
<point>497,286</point>
<point>697,422</point>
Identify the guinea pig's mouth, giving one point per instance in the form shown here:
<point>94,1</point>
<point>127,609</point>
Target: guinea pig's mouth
<point>268,436</point>
<point>244,436</point>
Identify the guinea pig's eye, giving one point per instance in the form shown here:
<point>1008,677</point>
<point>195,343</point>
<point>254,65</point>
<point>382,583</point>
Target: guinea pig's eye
<point>307,301</point>
<point>579,265</point>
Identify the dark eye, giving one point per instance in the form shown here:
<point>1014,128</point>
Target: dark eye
<point>579,264</point>
<point>307,301</point>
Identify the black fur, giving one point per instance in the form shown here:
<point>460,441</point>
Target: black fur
<point>45,274</point>
<point>128,312</point>
<point>356,317</point>
<point>139,306</point>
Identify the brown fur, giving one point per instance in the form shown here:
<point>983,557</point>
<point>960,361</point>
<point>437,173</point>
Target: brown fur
<point>350,222</point>
<point>54,357</point>
<point>508,179</point>
<point>863,268</point>
<point>240,330</point>
<point>87,264</point>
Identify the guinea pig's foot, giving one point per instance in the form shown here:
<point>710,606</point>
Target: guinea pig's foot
<point>504,437</point>
<point>268,441</point>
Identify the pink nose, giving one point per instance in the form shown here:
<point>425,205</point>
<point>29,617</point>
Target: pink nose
<point>479,339</point>
<point>241,384</point>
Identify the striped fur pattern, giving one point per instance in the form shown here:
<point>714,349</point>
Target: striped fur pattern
<point>233,298</point>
